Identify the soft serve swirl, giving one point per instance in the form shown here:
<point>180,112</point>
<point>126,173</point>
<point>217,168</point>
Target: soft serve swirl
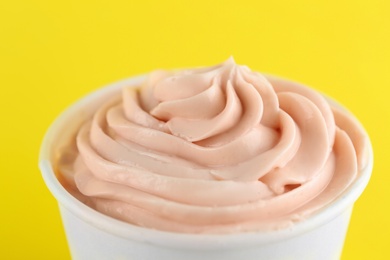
<point>219,150</point>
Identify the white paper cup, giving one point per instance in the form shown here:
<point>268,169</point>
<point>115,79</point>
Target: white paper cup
<point>92,235</point>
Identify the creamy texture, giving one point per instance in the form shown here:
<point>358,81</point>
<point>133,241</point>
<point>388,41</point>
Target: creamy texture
<point>218,150</point>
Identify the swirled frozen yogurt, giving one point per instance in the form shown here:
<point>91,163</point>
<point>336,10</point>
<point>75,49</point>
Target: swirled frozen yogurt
<point>217,150</point>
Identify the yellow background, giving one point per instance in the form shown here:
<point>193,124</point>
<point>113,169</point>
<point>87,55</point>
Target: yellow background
<point>54,52</point>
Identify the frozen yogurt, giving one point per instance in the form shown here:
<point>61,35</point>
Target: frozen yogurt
<point>220,149</point>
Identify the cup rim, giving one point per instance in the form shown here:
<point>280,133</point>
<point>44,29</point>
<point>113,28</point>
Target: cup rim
<point>183,240</point>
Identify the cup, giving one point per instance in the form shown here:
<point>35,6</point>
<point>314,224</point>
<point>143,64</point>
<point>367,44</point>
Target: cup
<point>92,235</point>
